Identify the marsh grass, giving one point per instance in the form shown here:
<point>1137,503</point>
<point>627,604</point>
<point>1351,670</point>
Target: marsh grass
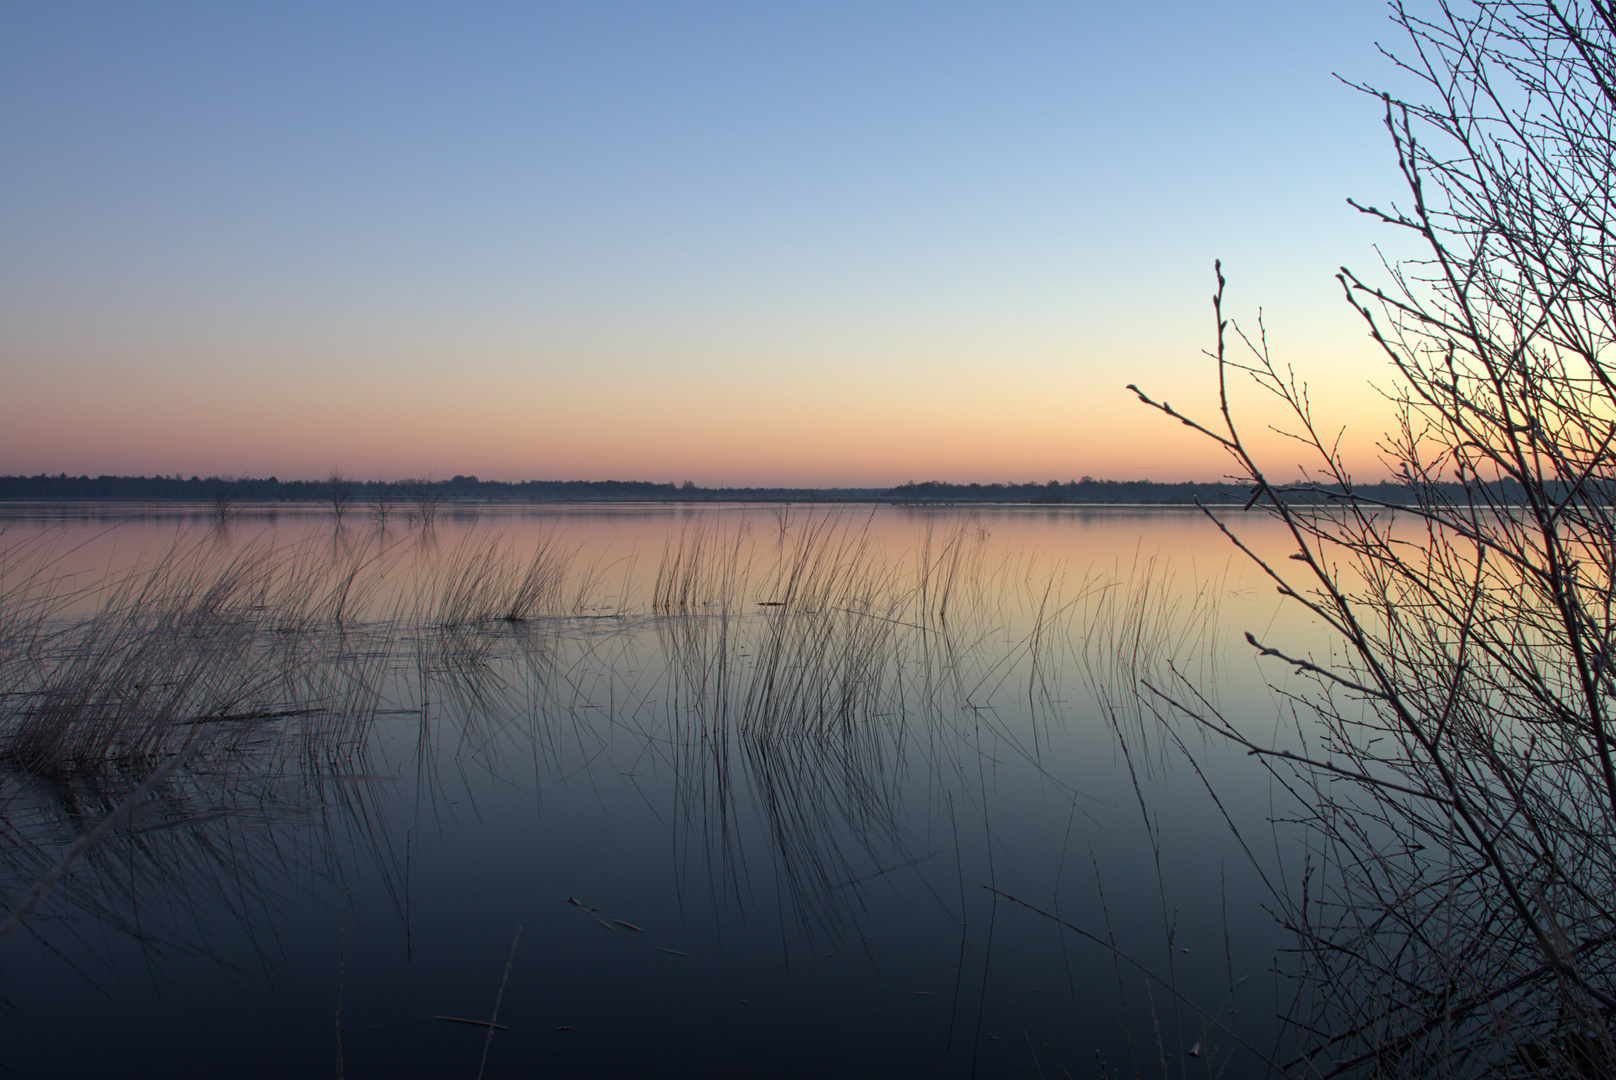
<point>1142,624</point>
<point>121,669</point>
<point>812,631</point>
<point>800,667</point>
<point>818,630</point>
<point>792,679</point>
<point>167,648</point>
<point>482,579</point>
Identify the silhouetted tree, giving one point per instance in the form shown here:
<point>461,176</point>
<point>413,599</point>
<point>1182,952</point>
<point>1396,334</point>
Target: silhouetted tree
<point>1454,762</point>
<point>341,494</point>
<point>426,501</point>
<point>382,498</point>
<point>223,490</point>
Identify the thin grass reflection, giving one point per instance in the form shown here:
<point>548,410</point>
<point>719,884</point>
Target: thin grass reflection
<point>779,695</point>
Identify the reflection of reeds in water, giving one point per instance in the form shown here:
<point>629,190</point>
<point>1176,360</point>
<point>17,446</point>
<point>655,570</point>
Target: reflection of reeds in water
<point>785,693</point>
<point>804,631</point>
<point>195,639</point>
<point>117,670</point>
<point>798,664</point>
<point>782,680</point>
<point>268,804</point>
<point>1140,622</point>
<point>808,634</point>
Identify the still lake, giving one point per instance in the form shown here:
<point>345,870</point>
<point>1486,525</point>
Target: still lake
<point>755,791</point>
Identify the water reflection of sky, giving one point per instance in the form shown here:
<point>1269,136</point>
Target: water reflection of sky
<point>747,901</point>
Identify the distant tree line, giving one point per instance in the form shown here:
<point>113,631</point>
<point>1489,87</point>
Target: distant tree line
<point>1148,492</point>
<point>270,489</point>
<point>212,489</point>
<point>1086,490</point>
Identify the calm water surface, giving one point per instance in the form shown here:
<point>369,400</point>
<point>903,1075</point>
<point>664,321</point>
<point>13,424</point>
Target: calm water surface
<point>704,869</point>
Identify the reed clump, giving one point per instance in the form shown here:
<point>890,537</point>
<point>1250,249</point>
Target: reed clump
<point>167,647</point>
<point>800,663</point>
<point>483,579</point>
<point>120,669</point>
<point>704,570</point>
<point>816,648</point>
<point>817,626</point>
<point>811,628</point>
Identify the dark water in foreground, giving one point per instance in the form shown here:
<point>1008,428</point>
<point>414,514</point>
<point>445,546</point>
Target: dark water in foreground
<point>727,836</point>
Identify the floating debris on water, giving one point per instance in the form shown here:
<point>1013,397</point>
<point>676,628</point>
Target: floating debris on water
<point>473,1023</point>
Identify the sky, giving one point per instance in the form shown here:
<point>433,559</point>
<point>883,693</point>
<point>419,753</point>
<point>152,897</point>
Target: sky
<point>788,243</point>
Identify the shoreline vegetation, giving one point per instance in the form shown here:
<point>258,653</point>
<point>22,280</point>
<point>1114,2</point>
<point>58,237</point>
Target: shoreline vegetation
<point>344,493</point>
<point>233,720</point>
<point>207,643</point>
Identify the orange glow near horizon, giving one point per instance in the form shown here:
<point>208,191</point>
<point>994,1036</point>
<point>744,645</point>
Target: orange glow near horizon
<point>816,246</point>
<point>855,431</point>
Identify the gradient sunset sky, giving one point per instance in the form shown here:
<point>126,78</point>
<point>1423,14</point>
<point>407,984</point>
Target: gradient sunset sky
<point>827,243</point>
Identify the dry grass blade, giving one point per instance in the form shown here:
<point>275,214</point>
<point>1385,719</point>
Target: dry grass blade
<point>499,997</point>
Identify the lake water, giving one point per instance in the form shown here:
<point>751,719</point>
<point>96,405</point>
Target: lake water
<point>743,791</point>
